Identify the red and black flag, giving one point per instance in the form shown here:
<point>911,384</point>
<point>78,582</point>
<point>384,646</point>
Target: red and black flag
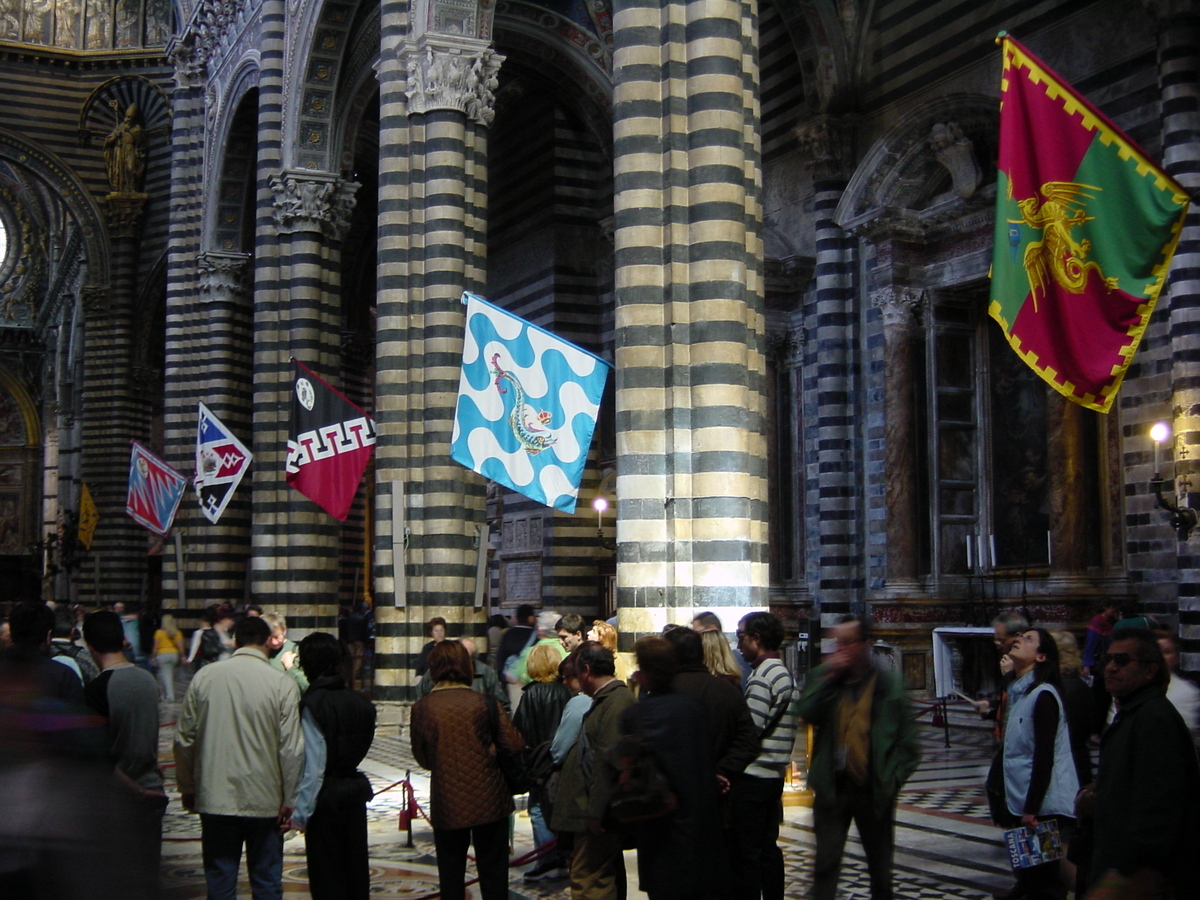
<point>1086,225</point>
<point>329,443</point>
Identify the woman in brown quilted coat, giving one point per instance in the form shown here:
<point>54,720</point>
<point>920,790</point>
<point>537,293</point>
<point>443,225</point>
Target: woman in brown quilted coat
<point>453,736</point>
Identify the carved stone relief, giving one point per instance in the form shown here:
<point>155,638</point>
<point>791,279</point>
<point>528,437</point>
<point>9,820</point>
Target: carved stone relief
<point>955,151</point>
<point>223,276</point>
<point>313,201</point>
<point>448,75</point>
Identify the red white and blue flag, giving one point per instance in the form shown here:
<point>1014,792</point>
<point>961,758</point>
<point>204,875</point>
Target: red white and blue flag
<point>221,461</point>
<point>329,445</point>
<point>155,490</point>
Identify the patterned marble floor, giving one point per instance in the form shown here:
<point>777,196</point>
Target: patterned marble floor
<point>946,847</point>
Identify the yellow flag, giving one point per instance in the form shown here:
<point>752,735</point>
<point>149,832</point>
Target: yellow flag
<point>89,516</point>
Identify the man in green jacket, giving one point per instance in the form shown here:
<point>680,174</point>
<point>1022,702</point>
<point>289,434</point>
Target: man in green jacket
<point>586,783</point>
<point>865,749</point>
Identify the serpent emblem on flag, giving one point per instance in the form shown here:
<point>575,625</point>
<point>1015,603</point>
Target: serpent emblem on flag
<point>528,424</point>
<point>1058,255</point>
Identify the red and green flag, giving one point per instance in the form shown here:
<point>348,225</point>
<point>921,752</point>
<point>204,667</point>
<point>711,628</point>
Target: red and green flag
<point>1086,226</point>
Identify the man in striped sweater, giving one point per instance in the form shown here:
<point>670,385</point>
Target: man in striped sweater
<point>756,797</point>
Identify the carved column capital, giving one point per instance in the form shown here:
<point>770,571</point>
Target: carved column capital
<point>785,348</point>
<point>190,69</point>
<point>96,299</point>
<point>827,145</point>
<point>313,201</point>
<point>448,73</point>
<point>125,212</point>
<point>223,276</point>
<point>900,306</point>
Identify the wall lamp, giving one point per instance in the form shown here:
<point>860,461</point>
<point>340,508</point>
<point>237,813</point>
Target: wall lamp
<point>600,504</point>
<point>1183,518</point>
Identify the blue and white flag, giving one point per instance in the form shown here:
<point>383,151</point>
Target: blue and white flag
<point>527,404</point>
<point>221,461</point>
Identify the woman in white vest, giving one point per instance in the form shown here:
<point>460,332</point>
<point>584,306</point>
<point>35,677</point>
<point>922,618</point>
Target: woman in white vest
<point>1040,783</point>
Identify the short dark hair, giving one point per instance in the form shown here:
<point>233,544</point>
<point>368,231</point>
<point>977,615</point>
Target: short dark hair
<point>657,661</point>
<point>572,622</point>
<point>1148,651</point>
<point>321,654</point>
<point>252,631</point>
<point>29,623</point>
<point>688,644</point>
<point>595,657</point>
<point>765,627</point>
<point>524,611</point>
<point>450,661</point>
<point>103,632</point>
<point>253,608</point>
<point>436,620</point>
<point>709,620</point>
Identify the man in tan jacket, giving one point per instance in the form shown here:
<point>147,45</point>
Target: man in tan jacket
<point>239,751</point>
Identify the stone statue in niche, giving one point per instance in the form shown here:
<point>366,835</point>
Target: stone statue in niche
<point>125,152</point>
<point>10,19</point>
<point>956,153</point>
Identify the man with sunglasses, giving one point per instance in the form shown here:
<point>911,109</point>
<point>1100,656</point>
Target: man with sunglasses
<point>1147,789</point>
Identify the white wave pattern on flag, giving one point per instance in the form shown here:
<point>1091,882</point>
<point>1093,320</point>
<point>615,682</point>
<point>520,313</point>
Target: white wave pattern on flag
<point>527,406</point>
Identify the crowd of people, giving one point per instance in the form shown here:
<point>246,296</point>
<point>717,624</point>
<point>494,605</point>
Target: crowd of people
<point>1126,830</point>
<point>677,747</point>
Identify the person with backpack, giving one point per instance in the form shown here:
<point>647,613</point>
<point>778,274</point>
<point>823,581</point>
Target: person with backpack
<point>537,718</point>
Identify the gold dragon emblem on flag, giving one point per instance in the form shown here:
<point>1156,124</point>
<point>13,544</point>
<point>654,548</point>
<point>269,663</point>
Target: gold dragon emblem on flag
<point>1058,255</point>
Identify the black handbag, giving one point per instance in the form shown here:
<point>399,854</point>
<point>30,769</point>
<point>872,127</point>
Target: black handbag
<point>514,769</point>
<point>642,792</point>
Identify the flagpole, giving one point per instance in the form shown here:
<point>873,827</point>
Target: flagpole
<point>400,590</point>
<point>482,533</point>
<point>179,575</point>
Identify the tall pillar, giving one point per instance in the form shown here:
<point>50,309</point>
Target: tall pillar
<point>113,414</point>
<point>691,452</point>
<point>899,307</point>
<point>436,104</point>
<point>217,554</point>
<point>1179,80</point>
<point>184,369</point>
<point>295,543</point>
<point>831,464</point>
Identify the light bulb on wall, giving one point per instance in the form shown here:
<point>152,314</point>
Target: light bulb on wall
<point>1160,432</point>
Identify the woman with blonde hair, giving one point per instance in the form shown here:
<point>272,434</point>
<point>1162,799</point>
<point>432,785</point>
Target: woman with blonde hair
<point>168,647</point>
<point>537,717</point>
<point>606,636</point>
<point>718,658</point>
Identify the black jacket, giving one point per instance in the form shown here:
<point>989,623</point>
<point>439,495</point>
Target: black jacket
<point>540,709</point>
<point>347,722</point>
<point>735,739</point>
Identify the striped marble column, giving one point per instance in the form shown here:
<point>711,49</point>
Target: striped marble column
<point>114,414</point>
<point>435,106</point>
<point>182,370</point>
<point>295,560</point>
<point>691,454</point>
<point>831,465</point>
<point>1179,79</point>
